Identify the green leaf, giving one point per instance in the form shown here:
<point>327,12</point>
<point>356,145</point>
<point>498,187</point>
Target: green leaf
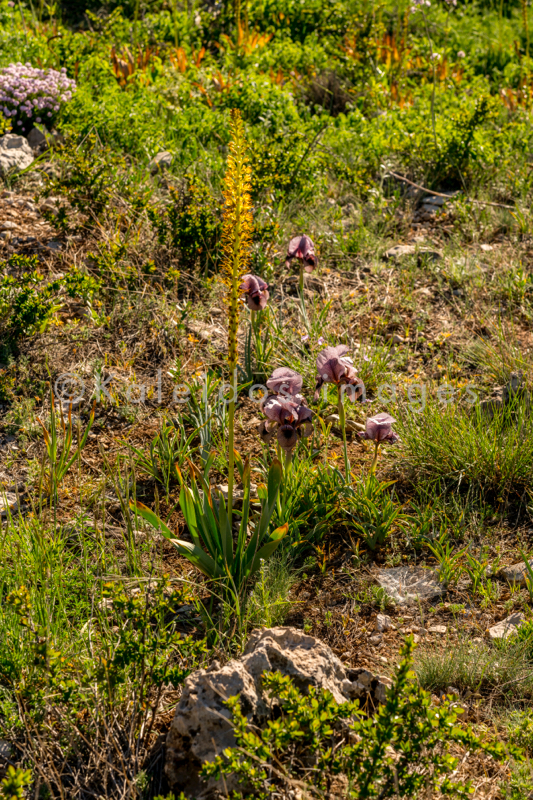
<point>187,505</point>
<point>254,559</point>
<point>198,557</point>
<point>225,532</point>
<point>151,517</point>
<point>275,476</point>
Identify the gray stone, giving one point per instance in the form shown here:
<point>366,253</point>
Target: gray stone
<point>351,425</point>
<point>204,331</point>
<point>382,683</point>
<point>516,573</point>
<point>409,584</point>
<point>395,338</point>
<point>8,503</point>
<point>437,629</point>
<point>15,153</point>
<point>238,492</point>
<point>383,623</point>
<point>54,245</point>
<point>515,388</point>
<point>400,251</point>
<point>6,751</point>
<point>201,728</point>
<point>160,162</point>
<point>37,139</point>
<point>435,200</point>
<point>508,626</point>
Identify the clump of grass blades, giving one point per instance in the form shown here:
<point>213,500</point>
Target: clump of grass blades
<point>461,447</point>
<point>504,672</point>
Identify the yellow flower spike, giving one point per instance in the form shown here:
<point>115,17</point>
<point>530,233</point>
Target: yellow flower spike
<point>236,243</point>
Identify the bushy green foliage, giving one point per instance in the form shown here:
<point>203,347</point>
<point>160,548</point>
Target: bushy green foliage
<point>371,512</point>
<point>191,225</point>
<point>314,742</point>
<point>28,302</point>
<point>90,178</point>
<point>13,785</point>
<point>111,684</point>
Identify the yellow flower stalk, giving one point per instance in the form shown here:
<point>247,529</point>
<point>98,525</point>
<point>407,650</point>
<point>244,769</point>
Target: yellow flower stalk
<point>236,242</point>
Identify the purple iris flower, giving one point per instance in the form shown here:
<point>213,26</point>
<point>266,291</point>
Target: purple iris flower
<point>255,291</point>
<point>333,366</point>
<point>379,429</point>
<point>302,248</point>
<point>285,381</point>
<point>288,419</point>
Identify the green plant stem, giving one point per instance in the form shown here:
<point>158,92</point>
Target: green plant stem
<point>175,23</point>
<point>302,298</point>
<point>342,424</point>
<point>231,452</point>
<point>430,45</point>
<point>375,459</point>
<point>286,473</point>
<point>253,325</point>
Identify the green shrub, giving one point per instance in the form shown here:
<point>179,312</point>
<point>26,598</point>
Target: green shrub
<point>191,225</point>
<point>28,302</point>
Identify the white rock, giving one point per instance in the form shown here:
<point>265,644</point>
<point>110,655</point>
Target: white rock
<point>160,162</point>
<point>383,683</point>
<point>516,573</point>
<point>507,626</point>
<point>437,629</point>
<point>400,251</point>
<point>201,728</point>
<point>238,493</point>
<point>409,584</point>
<point>383,622</point>
<point>6,750</point>
<point>15,153</point>
<point>8,503</point>
<point>351,425</point>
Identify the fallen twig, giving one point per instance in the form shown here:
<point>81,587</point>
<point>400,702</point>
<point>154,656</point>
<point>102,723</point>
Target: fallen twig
<point>447,196</point>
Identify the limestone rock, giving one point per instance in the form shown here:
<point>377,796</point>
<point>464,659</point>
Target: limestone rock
<point>160,162</point>
<point>400,251</point>
<point>516,573</point>
<point>506,627</point>
<point>37,140</point>
<point>8,503</point>
<point>383,623</point>
<point>15,153</point>
<point>201,729</point>
<point>205,331</point>
<point>409,584</point>
<point>238,492</point>
<point>502,395</point>
<point>437,629</point>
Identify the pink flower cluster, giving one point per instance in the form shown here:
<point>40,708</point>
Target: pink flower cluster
<point>29,94</point>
